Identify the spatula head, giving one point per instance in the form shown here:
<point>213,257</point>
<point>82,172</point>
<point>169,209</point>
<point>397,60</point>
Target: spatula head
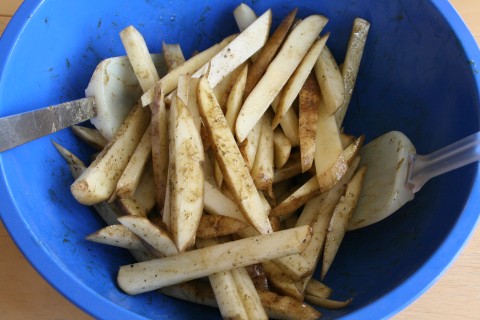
<point>384,190</point>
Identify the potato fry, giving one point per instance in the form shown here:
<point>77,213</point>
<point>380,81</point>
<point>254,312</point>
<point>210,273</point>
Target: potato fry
<point>302,195</point>
<point>309,102</point>
<point>262,169</point>
<point>280,281</point>
<point>173,55</point>
<point>91,136</point>
<point>351,64</point>
<point>294,84</point>
<point>282,147</point>
<point>212,226</point>
<point>341,218</point>
<point>330,80</point>
<point>99,180</point>
<point>268,52</point>
<point>228,155</point>
<point>186,204</point>
<point>117,235</point>
<point>139,57</point>
<point>277,74</point>
<point>170,81</point>
<point>151,275</point>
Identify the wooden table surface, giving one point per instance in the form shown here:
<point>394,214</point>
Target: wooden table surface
<point>25,295</point>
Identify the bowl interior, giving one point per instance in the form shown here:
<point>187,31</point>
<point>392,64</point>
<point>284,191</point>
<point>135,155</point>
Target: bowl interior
<point>417,76</point>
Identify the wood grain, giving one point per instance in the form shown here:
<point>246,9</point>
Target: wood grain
<point>25,295</point>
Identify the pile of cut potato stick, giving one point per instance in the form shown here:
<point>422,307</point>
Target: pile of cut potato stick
<point>231,180</point>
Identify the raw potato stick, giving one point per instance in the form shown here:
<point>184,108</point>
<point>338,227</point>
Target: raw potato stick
<point>268,52</point>
<point>186,203</point>
<point>238,51</point>
<point>216,203</point>
<point>280,281</point>
<point>327,303</point>
<point>341,218</point>
<point>249,295</point>
<point>228,155</point>
<point>139,57</point>
<point>159,133</point>
<point>287,308</point>
<point>215,226</point>
<point>262,170</point>
<point>296,81</point>
<point>282,147</point>
<point>99,180</point>
<point>235,98</point>
<point>249,146</point>
<point>170,81</point>
<point>91,136</point>
<point>244,16</point>
<point>173,55</point>
<point>317,289</point>
<point>330,80</point>
<point>158,273</point>
<point>150,233</point>
<point>351,64</point>
<point>277,74</point>
<point>289,124</point>
<point>303,265</point>
<point>328,147</point>
<point>132,174</point>
<point>117,235</point>
<point>308,104</point>
<point>276,306</point>
<point>225,289</point>
<point>302,195</point>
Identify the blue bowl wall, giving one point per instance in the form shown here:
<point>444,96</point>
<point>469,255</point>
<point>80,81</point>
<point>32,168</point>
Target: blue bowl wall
<point>418,75</point>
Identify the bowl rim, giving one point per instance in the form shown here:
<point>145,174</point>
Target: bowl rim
<point>98,306</point>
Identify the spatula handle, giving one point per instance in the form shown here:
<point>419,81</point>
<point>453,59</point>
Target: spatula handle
<point>451,157</point>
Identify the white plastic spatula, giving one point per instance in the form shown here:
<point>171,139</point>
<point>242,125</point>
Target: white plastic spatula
<point>395,173</point>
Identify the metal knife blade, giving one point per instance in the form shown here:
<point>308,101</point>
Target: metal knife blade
<point>18,129</point>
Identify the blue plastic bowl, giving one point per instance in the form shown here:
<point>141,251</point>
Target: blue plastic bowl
<point>419,76</point>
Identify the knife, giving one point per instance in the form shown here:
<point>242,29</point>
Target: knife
<point>18,129</point>
<point>111,93</point>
